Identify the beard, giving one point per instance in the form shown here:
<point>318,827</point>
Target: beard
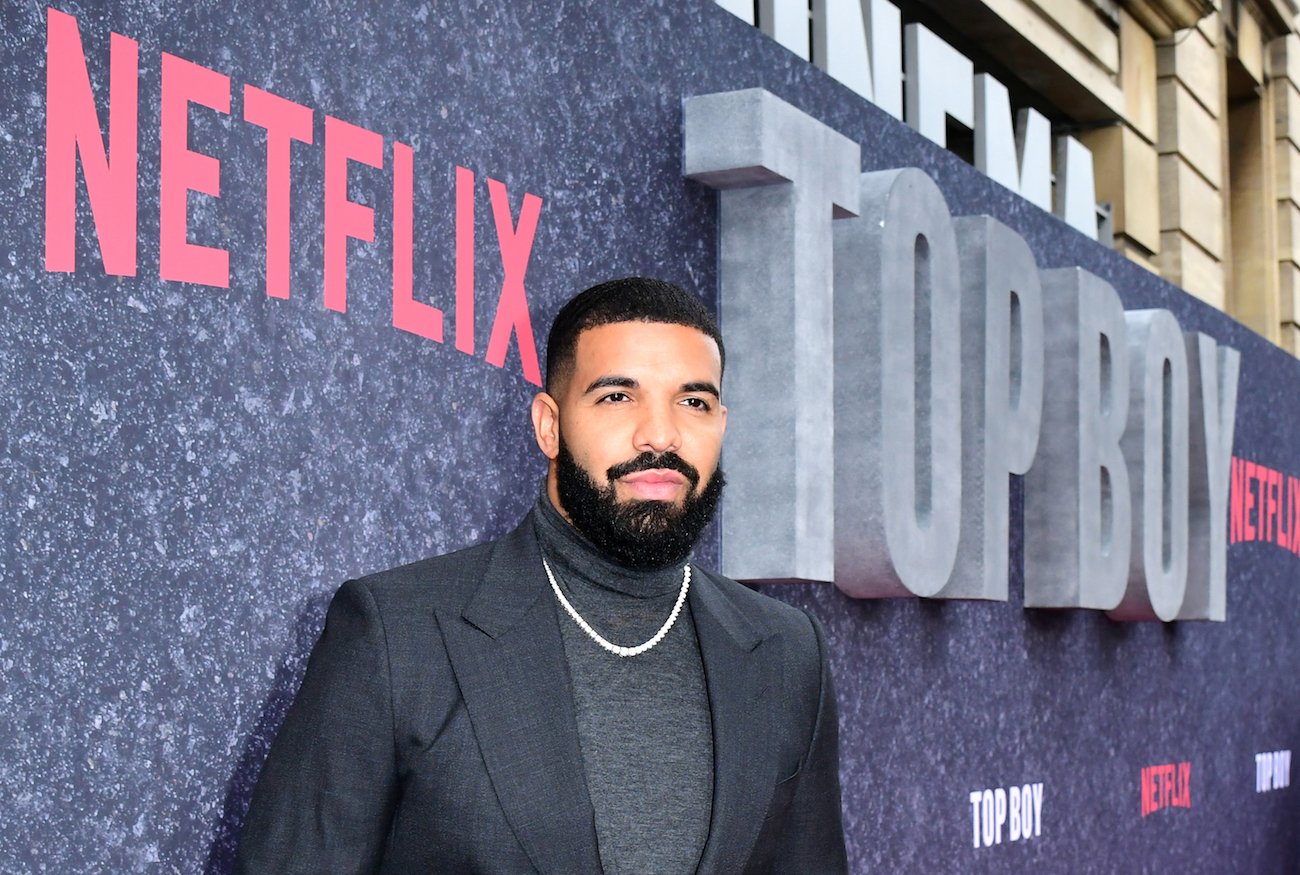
<point>644,534</point>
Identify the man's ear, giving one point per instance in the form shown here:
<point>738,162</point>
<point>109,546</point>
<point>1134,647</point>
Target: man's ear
<point>546,424</point>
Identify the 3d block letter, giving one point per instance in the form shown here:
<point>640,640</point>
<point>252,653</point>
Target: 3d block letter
<point>783,176</point>
<point>1002,396</point>
<point>1155,446</point>
<point>1077,509</point>
<point>1212,372</point>
<point>898,405</point>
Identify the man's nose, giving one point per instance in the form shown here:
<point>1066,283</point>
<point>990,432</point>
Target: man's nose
<point>657,431</point>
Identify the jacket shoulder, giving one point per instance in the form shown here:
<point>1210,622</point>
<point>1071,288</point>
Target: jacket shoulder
<point>444,581</point>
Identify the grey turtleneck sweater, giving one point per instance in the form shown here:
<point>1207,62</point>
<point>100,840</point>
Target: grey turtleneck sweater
<point>643,721</point>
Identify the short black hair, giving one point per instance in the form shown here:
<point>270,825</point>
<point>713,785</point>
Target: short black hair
<point>630,299</point>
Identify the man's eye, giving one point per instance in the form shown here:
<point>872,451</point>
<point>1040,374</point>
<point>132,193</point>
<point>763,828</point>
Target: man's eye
<point>697,403</point>
<point>615,397</point>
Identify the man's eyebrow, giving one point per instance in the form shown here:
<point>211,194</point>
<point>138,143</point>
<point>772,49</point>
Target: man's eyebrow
<point>611,380</point>
<point>702,386</point>
<point>618,382</point>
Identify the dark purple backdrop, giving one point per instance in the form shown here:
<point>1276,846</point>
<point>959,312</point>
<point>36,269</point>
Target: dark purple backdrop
<point>189,472</point>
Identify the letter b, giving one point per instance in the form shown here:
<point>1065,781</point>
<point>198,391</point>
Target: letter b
<point>1077,512</point>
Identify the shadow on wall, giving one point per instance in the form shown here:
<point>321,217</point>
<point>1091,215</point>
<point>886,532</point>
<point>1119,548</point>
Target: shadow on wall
<point>239,789</point>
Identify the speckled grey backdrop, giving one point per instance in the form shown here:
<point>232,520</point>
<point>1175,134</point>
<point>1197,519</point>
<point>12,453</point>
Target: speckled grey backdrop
<point>187,473</point>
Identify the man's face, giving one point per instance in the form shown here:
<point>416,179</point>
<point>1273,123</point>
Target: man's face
<point>635,439</point>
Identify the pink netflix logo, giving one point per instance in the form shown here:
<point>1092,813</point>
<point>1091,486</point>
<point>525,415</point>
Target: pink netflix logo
<point>73,138</point>
<point>1264,507</point>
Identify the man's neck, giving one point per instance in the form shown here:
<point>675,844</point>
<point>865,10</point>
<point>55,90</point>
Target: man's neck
<point>578,561</point>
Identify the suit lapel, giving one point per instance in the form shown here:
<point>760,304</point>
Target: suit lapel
<point>737,660</point>
<point>508,656</point>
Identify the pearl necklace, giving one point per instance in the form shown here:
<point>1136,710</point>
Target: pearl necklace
<point>607,645</point>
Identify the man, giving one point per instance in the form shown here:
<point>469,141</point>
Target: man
<point>575,697</point>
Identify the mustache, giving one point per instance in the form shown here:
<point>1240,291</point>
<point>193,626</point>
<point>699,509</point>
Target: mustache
<point>648,461</point>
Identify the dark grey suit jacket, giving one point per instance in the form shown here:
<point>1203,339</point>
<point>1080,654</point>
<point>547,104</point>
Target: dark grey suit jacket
<point>435,732</point>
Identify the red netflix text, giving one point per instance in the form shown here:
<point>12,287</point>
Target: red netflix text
<point>1264,506</point>
<point>1166,786</point>
<point>74,137</point>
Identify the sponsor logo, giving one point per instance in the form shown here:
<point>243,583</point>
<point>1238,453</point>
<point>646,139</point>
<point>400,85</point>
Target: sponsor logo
<point>1016,812</point>
<point>1265,506</point>
<point>109,166</point>
<point>1166,786</point>
<point>1272,771</point>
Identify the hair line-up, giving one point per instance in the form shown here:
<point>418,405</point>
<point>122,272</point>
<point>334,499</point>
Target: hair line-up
<point>629,299</point>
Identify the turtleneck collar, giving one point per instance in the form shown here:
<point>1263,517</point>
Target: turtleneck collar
<point>578,561</point>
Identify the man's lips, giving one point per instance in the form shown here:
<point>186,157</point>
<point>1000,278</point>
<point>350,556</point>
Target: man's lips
<point>656,484</point>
